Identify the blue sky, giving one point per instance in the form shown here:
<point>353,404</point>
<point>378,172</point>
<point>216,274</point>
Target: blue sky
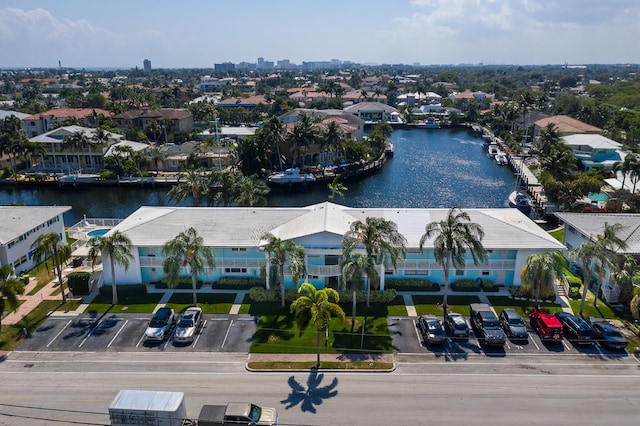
<point>191,33</point>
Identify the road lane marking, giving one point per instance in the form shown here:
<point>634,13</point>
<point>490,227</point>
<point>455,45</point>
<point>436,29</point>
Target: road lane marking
<point>59,333</point>
<point>114,337</point>
<point>226,334</point>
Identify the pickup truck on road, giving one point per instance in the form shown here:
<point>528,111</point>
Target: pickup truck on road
<point>237,414</point>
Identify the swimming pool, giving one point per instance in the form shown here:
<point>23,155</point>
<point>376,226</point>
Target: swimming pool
<point>98,233</point>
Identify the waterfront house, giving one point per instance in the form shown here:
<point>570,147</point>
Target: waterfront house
<point>237,236</point>
<point>60,160</point>
<point>461,99</point>
<point>42,122</point>
<point>374,112</point>
<point>171,120</point>
<point>594,151</point>
<point>565,125</point>
<point>21,226</point>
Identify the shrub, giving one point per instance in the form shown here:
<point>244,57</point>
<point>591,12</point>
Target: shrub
<point>260,294</point>
<point>78,282</point>
<point>184,283</point>
<point>574,293</point>
<point>238,283</point>
<point>384,296</point>
<point>125,290</point>
<point>489,286</point>
<point>414,284</point>
<point>545,293</point>
<point>465,285</point>
<point>574,282</point>
<point>519,292</point>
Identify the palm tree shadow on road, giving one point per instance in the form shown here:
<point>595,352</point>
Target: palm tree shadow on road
<point>312,395</point>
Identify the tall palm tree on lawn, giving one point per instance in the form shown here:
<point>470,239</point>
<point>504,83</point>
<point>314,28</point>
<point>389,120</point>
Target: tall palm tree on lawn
<point>382,243</point>
<point>10,288</point>
<point>354,270</point>
<point>51,245</point>
<point>187,250</point>
<point>117,247</point>
<point>453,237</point>
<point>279,252</point>
<point>541,269</point>
<point>316,307</point>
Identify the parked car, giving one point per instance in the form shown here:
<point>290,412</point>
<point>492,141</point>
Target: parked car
<point>456,326</point>
<point>576,329</point>
<point>431,329</point>
<point>607,334</point>
<point>547,326</point>
<point>486,325</point>
<point>513,324</point>
<point>188,326</point>
<point>160,325</point>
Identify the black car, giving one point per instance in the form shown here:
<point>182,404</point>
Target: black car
<point>513,324</point>
<point>431,329</point>
<point>576,329</point>
<point>607,334</point>
<point>456,326</point>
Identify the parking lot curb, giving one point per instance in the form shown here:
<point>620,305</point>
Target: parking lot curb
<point>284,358</point>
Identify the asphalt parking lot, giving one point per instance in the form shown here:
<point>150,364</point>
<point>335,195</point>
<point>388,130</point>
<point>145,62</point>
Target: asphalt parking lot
<point>406,338</point>
<point>125,333</point>
<point>233,333</point>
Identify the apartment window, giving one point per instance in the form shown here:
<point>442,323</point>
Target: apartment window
<point>238,249</point>
<point>459,272</point>
<point>416,272</point>
<point>235,270</point>
<point>485,273</point>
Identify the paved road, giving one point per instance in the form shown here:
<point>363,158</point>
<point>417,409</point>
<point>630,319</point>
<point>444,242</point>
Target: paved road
<point>424,389</point>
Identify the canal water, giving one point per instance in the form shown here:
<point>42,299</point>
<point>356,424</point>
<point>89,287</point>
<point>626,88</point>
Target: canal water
<point>431,168</point>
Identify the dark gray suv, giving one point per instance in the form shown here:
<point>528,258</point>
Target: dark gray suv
<point>513,324</point>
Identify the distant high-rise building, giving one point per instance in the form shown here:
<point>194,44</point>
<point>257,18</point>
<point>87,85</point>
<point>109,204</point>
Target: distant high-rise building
<point>225,67</point>
<point>147,65</point>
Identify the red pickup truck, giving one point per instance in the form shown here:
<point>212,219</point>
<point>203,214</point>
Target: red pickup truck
<point>548,326</point>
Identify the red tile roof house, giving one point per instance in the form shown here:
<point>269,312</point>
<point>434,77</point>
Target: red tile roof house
<point>566,126</point>
<point>42,122</point>
<point>181,120</point>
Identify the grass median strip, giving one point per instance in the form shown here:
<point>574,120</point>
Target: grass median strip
<point>324,365</point>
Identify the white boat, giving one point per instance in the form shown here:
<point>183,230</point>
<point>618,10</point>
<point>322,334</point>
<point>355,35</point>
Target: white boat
<point>429,123</point>
<point>493,150</point>
<point>521,201</point>
<point>501,159</point>
<point>290,176</point>
<point>78,178</point>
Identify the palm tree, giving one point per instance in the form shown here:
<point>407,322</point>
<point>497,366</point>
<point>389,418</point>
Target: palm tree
<point>117,247</point>
<point>303,135</point>
<point>252,192</point>
<point>625,166</point>
<point>542,269</point>
<point>381,240</point>
<point>337,188</point>
<point>191,183</point>
<point>10,288</point>
<point>316,307</point>
<point>155,155</point>
<point>275,133</point>
<point>279,252</point>
<point>48,245</point>
<point>187,249</point>
<point>613,243</point>
<point>76,142</point>
<point>332,136</point>
<point>453,237</point>
<point>354,270</point>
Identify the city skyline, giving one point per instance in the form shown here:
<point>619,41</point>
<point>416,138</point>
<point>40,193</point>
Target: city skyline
<point>193,34</point>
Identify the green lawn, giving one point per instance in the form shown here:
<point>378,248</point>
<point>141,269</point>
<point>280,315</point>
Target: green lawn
<point>558,235</point>
<point>278,333</point>
<point>601,311</point>
<point>12,335</point>
<point>126,304</point>
<point>522,306</point>
<point>431,304</point>
<point>211,303</point>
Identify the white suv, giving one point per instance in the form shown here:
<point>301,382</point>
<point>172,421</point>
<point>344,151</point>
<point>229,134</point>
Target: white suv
<point>160,325</point>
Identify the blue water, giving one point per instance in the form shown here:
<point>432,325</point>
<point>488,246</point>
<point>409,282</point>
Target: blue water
<point>431,168</point>
<point>97,233</point>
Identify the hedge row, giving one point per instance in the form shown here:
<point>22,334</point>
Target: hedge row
<point>184,283</point>
<point>78,282</point>
<point>465,285</point>
<point>260,294</point>
<point>125,290</point>
<point>238,283</point>
<point>413,284</point>
<point>526,293</point>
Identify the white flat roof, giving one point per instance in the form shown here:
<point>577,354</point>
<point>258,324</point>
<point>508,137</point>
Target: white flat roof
<point>17,220</point>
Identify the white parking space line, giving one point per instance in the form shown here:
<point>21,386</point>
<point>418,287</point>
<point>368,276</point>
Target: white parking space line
<point>565,345</point>
<point>195,342</point>
<point>141,340</point>
<point>59,333</point>
<point>415,327</point>
<point>114,337</point>
<point>506,343</point>
<point>533,341</point>
<point>226,334</point>
<point>90,333</point>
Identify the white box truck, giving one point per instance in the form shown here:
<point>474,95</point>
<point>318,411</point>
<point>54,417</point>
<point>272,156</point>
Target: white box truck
<point>141,407</point>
